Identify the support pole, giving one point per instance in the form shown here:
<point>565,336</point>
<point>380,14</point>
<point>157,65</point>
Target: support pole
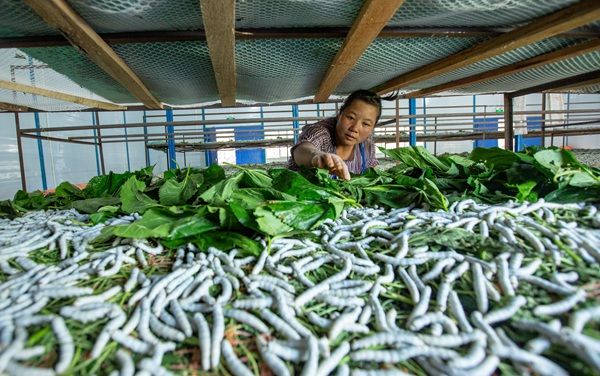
<point>20,147</point>
<point>41,152</point>
<point>508,122</point>
<point>412,110</point>
<point>171,157</point>
<point>99,140</point>
<point>397,122</point>
<point>543,128</point>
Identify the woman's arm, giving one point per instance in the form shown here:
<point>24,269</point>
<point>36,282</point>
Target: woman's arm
<point>306,154</point>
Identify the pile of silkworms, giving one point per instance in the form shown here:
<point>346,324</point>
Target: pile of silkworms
<point>409,291</point>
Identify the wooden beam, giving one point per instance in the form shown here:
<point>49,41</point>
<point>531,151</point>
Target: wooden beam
<point>509,132</point>
<point>373,16</point>
<point>545,59</point>
<point>558,22</point>
<point>574,81</point>
<point>12,107</point>
<point>59,15</point>
<point>218,17</point>
<point>60,96</point>
<point>577,85</point>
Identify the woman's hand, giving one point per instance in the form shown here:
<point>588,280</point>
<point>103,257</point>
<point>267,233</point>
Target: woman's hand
<point>331,162</point>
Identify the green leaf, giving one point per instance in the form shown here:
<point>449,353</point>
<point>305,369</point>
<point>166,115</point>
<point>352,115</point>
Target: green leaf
<point>133,198</point>
<point>91,205</point>
<point>416,156</point>
<point>173,192</point>
<point>270,224</point>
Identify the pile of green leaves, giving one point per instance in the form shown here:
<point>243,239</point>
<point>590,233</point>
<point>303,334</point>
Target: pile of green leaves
<point>206,207</point>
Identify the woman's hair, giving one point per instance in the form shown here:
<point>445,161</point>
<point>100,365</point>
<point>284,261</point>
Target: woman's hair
<point>368,97</point>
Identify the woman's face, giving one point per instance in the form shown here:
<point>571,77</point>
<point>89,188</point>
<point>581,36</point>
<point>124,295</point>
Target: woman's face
<point>355,123</point>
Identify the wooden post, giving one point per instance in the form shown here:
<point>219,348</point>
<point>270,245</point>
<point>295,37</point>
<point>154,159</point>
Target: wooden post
<point>508,122</point>
<point>20,147</point>
<point>100,148</point>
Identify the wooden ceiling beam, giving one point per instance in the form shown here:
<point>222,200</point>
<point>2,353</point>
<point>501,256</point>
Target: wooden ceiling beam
<point>12,107</point>
<point>566,19</point>
<point>218,17</point>
<point>372,18</point>
<point>538,61</point>
<point>59,15</point>
<point>582,80</point>
<point>279,33</point>
<point>60,96</point>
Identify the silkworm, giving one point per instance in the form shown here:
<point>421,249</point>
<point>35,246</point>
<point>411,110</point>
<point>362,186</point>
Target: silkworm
<point>181,278</point>
<point>396,356</point>
<point>431,318</point>
<point>204,340</point>
<point>540,364</point>
<point>343,321</point>
<point>561,306</point>
<point>456,272</point>
<point>274,280</point>
<point>226,290</point>
<point>65,340</point>
<point>277,366</point>
<point>310,367</point>
<point>579,319</point>
<point>126,363</point>
<point>548,285</point>
<point>437,269</point>
<point>279,324</point>
<point>410,284</point>
<point>97,298</point>
<point>181,317</point>
<point>504,276</point>
<point>165,331</point>
<point>504,313</point>
<point>479,288</point>
<point>247,318</point>
<point>442,296</point>
<point>421,306</point>
<point>329,364</point>
<point>217,335</point>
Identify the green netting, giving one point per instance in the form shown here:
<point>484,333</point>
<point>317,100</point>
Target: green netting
<point>68,61</point>
<point>511,57</point>
<point>387,58</point>
<point>179,73</point>
<point>474,13</point>
<point>18,20</point>
<point>538,76</point>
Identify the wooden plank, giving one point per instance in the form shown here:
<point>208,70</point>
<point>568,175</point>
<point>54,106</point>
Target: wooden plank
<point>218,17</point>
<point>371,19</point>
<point>60,96</point>
<point>59,15</point>
<point>12,107</point>
<point>558,22</point>
<point>509,133</point>
<point>577,85</point>
<point>574,81</point>
<point>545,59</point>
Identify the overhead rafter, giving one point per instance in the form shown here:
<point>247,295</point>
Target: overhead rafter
<point>558,22</point>
<point>372,18</point>
<point>279,33</point>
<point>12,107</point>
<point>59,15</point>
<point>60,96</point>
<point>545,59</point>
<point>582,80</point>
<point>218,17</point>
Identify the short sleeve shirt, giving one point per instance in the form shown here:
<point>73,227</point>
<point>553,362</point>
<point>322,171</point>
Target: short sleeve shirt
<point>322,135</point>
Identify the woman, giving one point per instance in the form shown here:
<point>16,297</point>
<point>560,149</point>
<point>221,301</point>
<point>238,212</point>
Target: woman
<point>342,144</point>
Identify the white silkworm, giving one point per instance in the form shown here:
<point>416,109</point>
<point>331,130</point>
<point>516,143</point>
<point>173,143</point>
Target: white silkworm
<point>67,347</point>
<point>132,343</point>
<point>456,272</point>
<point>217,335</point>
<point>504,313</point>
<point>432,318</point>
<point>246,318</point>
<point>181,317</point>
<point>548,285</point>
<point>479,288</point>
<point>165,331</point>
<point>413,290</point>
<point>561,306</point>
<point>204,340</point>
<point>421,307</point>
<point>442,296</point>
<point>310,367</point>
<point>235,365</point>
<point>397,356</point>
<point>437,269</point>
<point>132,281</point>
<point>99,297</point>
<point>504,276</point>
<point>277,366</point>
<point>579,319</point>
<point>329,364</point>
<point>279,324</point>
